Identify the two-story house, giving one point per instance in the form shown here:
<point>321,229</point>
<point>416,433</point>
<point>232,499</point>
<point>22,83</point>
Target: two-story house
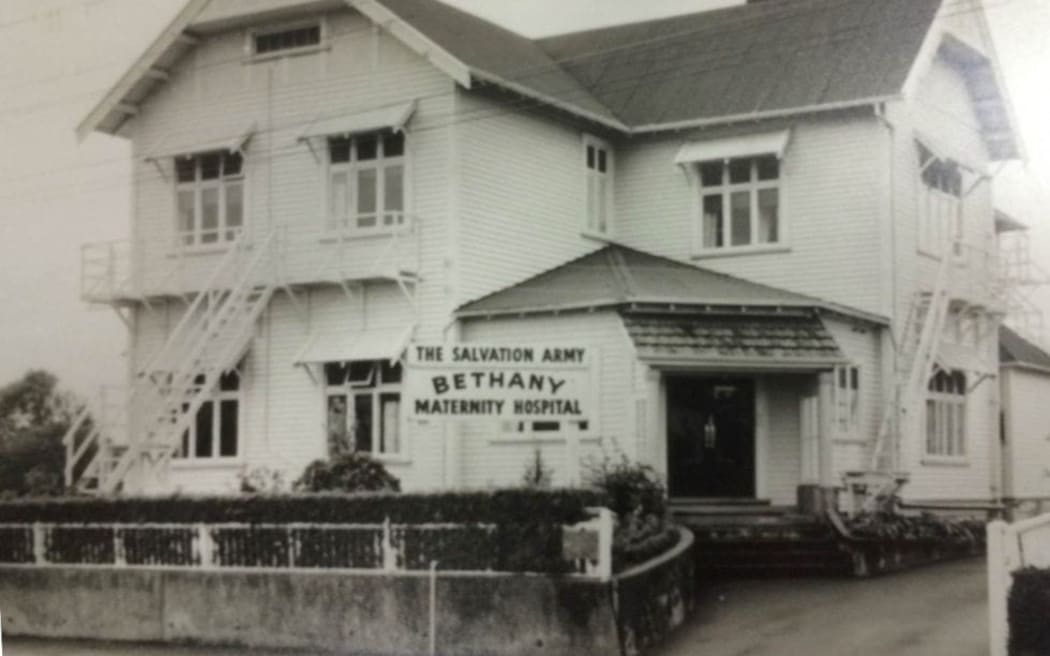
<point>769,222</point>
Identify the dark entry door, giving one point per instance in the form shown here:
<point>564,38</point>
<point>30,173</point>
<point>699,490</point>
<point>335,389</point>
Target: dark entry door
<point>711,437</point>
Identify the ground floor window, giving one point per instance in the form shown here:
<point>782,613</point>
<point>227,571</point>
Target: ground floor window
<point>847,399</point>
<point>215,431</point>
<point>363,407</point>
<point>946,414</point>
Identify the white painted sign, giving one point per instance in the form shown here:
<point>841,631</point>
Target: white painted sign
<point>519,381</point>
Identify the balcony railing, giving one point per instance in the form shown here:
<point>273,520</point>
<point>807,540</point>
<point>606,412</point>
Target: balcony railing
<point>120,271</point>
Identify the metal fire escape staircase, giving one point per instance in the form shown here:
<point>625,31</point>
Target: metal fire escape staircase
<point>917,348</point>
<point>210,339</point>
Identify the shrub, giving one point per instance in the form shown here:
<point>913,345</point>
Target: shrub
<point>631,488</point>
<point>349,472</point>
<point>537,474</point>
<point>262,480</point>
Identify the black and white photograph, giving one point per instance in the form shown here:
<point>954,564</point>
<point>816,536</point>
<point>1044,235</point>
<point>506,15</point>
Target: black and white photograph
<point>524,327</point>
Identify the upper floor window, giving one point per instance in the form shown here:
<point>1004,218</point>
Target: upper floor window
<point>363,405</point>
<point>740,202</point>
<point>598,167</point>
<point>946,414</point>
<point>215,431</point>
<point>286,39</point>
<point>940,202</point>
<point>366,182</point>
<point>209,198</point>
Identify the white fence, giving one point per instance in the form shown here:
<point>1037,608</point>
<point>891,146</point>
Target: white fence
<point>1010,548</point>
<point>386,546</point>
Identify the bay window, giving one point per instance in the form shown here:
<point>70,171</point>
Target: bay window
<point>366,182</point>
<point>209,198</point>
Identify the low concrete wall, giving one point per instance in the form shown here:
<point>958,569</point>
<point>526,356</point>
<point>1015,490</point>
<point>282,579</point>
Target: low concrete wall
<point>335,612</point>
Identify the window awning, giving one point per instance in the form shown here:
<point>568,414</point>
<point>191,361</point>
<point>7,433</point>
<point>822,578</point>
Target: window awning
<point>349,346</point>
<point>227,143</point>
<point>386,118</point>
<point>769,143</point>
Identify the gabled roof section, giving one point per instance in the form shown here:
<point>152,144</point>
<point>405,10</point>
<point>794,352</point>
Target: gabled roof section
<point>121,102</point>
<point>1017,351</point>
<point>759,59</point>
<point>616,275</point>
<point>495,55</point>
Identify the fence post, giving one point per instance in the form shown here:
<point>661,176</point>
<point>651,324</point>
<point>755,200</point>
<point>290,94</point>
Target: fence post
<point>998,588</point>
<point>119,558</point>
<point>290,538</point>
<point>605,542</point>
<point>205,546</point>
<point>389,557</point>
<point>39,551</point>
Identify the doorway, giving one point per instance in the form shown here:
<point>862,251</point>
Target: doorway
<point>711,437</point>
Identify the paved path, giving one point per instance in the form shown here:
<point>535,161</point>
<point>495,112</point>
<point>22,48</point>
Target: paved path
<point>939,610</point>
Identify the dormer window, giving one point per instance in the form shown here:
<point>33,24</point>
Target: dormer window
<point>287,40</point>
<point>598,165</point>
<point>209,198</point>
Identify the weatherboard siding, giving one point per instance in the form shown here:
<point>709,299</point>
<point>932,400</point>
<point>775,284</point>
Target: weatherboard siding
<point>1027,433</point>
<point>214,93</point>
<point>829,201</point>
<point>521,196</point>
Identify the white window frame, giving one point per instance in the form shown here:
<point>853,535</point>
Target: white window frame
<point>596,221</point>
<point>940,211</point>
<point>253,34</point>
<point>187,453</point>
<point>945,438</point>
<point>349,223</point>
<point>847,399</point>
<point>194,239</point>
<point>375,387</point>
<point>726,190</point>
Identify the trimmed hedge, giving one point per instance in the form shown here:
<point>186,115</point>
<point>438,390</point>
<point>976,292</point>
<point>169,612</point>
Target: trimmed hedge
<point>1028,612</point>
<point>522,506</point>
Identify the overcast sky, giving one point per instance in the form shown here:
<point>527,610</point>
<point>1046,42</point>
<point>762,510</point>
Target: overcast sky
<point>55,194</point>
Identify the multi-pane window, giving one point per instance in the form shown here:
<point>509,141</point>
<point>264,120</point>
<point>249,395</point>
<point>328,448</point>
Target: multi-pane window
<point>366,182</point>
<point>740,202</point>
<point>847,399</point>
<point>946,414</point>
<point>294,38</point>
<point>363,406</point>
<point>209,198</point>
<point>598,162</point>
<point>215,431</point>
<point>940,202</point>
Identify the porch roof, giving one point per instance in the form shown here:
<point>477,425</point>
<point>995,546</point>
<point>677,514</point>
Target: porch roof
<point>619,276</point>
<point>1017,351</point>
<point>796,340</point>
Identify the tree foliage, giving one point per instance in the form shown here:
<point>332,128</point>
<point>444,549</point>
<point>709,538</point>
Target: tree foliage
<point>34,416</point>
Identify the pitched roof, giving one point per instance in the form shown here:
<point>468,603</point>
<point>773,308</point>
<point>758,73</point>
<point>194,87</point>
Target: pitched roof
<point>1016,350</point>
<point>764,59</point>
<point>751,59</point>
<point>616,275</point>
<point>779,341</point>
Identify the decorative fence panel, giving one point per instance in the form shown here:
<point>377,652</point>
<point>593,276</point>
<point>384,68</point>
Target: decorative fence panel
<point>386,546</point>
<point>1012,547</point>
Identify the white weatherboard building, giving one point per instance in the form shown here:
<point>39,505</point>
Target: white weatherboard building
<point>769,225</point>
